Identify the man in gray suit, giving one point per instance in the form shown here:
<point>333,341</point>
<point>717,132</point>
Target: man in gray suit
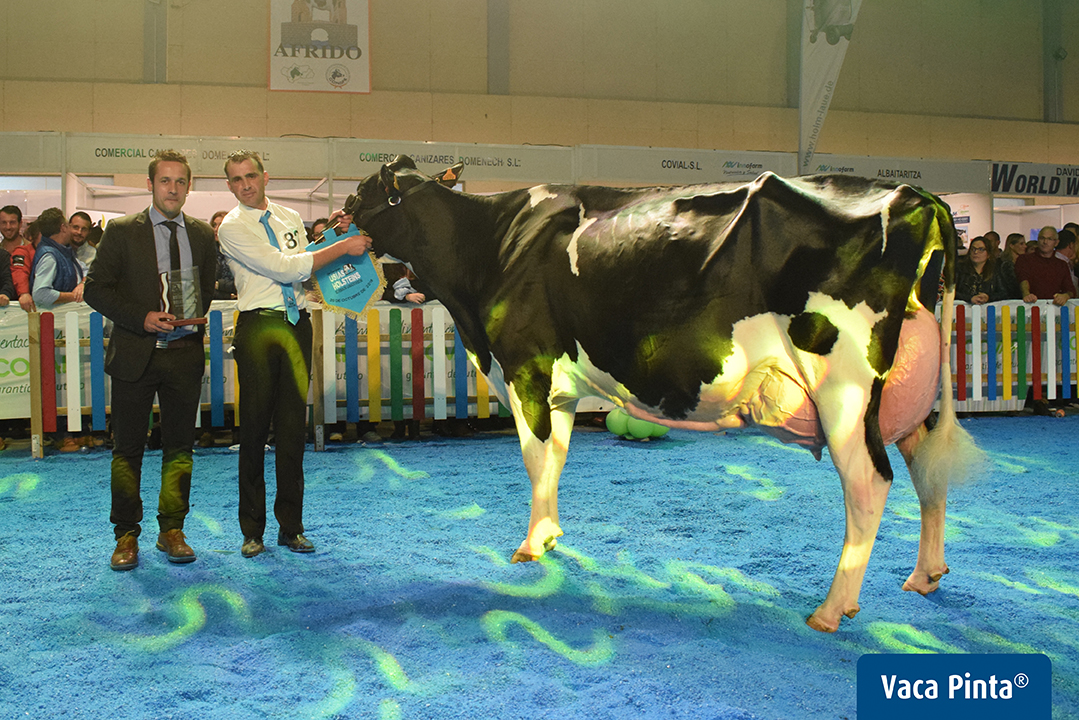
<point>150,355</point>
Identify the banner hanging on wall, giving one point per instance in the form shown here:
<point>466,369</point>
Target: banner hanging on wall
<point>320,46</point>
<point>827,26</point>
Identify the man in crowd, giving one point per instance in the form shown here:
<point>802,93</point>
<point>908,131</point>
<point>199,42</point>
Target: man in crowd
<point>226,283</point>
<point>10,228</point>
<point>81,224</point>
<point>265,246</point>
<point>149,355</point>
<point>1066,248</point>
<point>56,277</point>
<point>7,286</point>
<point>1042,275</point>
<point>22,259</point>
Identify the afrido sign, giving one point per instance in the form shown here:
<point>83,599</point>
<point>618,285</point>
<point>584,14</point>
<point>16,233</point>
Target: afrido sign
<point>319,45</point>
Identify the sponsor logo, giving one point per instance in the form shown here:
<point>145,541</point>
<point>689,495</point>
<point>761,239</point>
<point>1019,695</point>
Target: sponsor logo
<point>337,75</point>
<point>680,165</point>
<point>1008,179</point>
<point>899,174</point>
<point>299,74</point>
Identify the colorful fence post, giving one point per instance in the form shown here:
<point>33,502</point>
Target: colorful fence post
<point>1065,354</point>
<point>397,399</point>
<point>961,352</point>
<point>72,372</point>
<point>98,418</point>
<point>419,395</point>
<point>217,369</point>
<point>991,352</point>
<point>460,376</point>
<point>37,429</point>
<point>48,372</point>
<point>374,366</point>
<point>352,370</point>
<point>438,361</point>
<point>1036,352</point>
<point>1021,353</point>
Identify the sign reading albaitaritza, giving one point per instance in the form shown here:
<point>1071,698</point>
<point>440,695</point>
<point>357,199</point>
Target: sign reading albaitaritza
<point>319,45</point>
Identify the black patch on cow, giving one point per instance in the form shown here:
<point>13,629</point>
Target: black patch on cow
<point>658,277</point>
<point>873,440</point>
<point>813,333</point>
<point>532,384</point>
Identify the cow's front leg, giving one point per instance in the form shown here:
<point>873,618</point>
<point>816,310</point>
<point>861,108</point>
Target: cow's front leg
<point>932,489</point>
<point>544,432</point>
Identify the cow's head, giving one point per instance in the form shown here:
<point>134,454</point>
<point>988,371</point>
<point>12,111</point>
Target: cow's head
<point>379,198</point>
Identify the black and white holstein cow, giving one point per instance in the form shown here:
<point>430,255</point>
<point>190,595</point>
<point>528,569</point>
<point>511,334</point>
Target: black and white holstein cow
<point>798,306</point>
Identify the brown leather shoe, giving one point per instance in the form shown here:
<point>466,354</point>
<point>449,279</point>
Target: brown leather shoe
<point>173,543</point>
<point>126,555</point>
<point>295,543</point>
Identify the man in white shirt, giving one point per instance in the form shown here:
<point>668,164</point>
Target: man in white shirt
<point>80,224</point>
<point>265,246</point>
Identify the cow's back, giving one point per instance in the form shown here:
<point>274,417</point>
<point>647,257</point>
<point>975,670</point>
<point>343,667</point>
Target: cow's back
<point>651,283</point>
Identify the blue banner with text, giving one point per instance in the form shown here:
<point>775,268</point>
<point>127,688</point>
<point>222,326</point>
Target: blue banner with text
<point>929,686</point>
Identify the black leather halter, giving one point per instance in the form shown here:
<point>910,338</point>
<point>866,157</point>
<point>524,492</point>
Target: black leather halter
<point>393,200</point>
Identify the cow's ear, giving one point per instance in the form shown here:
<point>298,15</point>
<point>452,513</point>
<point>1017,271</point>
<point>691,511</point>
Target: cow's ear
<point>389,180</point>
<point>450,175</point>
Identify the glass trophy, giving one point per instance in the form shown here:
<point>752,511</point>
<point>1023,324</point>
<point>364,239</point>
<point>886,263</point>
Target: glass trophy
<point>182,296</point>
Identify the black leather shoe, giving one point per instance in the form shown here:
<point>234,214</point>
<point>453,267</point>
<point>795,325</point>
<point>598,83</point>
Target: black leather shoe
<point>296,543</point>
<point>252,547</point>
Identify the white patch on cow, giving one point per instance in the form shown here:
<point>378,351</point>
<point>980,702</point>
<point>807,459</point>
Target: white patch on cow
<point>539,194</point>
<point>761,356</point>
<point>855,324</point>
<point>885,216</point>
<point>496,380</point>
<point>572,248</point>
<point>884,212</point>
<point>766,381</point>
<point>840,382</point>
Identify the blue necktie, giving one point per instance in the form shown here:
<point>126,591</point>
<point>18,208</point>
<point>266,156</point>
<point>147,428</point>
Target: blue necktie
<point>286,289</point>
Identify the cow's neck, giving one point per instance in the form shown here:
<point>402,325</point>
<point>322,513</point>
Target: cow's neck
<point>458,259</point>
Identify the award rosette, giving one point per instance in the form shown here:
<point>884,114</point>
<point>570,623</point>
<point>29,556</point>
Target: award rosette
<point>181,296</point>
<point>350,283</point>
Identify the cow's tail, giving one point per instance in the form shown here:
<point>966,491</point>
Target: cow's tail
<point>948,453</point>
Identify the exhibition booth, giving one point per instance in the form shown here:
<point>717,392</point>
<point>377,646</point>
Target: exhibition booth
<point>104,175</point>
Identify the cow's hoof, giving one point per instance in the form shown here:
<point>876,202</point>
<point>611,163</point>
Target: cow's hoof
<point>824,622</point>
<point>819,625</point>
<point>923,583</point>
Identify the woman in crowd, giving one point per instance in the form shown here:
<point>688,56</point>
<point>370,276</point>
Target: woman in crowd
<point>980,279</point>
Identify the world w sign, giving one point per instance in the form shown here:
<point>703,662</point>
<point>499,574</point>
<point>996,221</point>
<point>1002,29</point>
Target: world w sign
<point>320,45</point>
<point>1035,179</point>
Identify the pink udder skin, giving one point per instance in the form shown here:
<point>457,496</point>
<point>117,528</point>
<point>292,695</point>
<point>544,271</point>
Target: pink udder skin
<point>912,385</point>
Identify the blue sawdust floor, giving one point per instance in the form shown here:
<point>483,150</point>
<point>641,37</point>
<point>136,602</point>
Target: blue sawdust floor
<point>679,590</point>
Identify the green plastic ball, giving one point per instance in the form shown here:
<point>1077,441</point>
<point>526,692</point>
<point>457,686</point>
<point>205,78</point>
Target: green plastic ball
<point>639,429</point>
<point>617,421</point>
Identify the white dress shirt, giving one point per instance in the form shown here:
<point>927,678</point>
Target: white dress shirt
<point>260,269</point>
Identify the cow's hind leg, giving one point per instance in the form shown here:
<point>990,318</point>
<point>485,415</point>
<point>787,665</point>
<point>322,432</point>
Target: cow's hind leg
<point>932,491</point>
<point>858,453</point>
<point>864,493</point>
<point>544,432</point>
